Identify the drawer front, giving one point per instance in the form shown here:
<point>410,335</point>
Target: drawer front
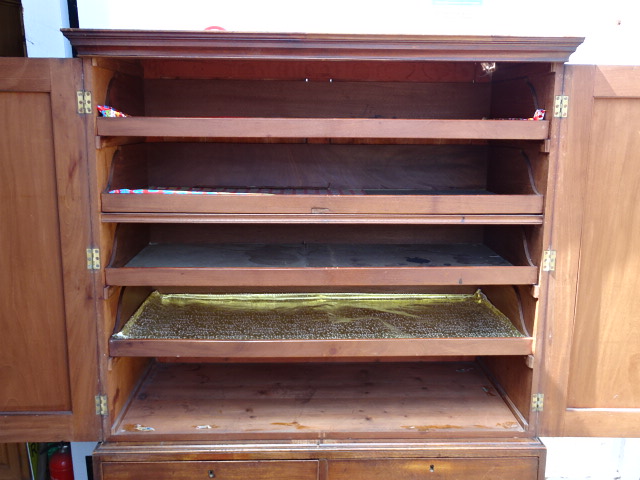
<point>231,470</point>
<point>516,468</point>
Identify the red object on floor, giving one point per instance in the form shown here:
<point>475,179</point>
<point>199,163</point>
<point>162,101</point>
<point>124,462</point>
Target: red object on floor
<point>60,465</point>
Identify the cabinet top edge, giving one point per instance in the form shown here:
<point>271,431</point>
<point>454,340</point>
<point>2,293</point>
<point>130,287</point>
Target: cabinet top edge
<point>312,46</point>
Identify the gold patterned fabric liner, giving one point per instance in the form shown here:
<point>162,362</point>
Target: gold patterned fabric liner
<point>316,317</point>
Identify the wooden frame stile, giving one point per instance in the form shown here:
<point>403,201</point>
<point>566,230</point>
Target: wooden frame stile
<point>118,375</point>
<point>57,80</point>
<point>541,291</point>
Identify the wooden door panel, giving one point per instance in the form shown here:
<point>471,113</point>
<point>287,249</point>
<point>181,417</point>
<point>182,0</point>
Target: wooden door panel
<point>33,365</point>
<point>48,360</point>
<point>592,357</point>
<point>605,359</point>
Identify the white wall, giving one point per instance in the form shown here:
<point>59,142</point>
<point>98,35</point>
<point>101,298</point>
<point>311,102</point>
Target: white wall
<point>593,458</point>
<point>612,27</point>
<point>43,20</point>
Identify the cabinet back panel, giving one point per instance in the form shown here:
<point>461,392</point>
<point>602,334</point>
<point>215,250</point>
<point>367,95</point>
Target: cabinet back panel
<point>318,70</point>
<point>253,98</point>
<point>435,167</point>
<point>519,89</point>
<point>362,234</point>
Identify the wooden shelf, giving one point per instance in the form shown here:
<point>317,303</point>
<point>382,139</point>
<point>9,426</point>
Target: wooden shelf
<point>317,265</point>
<point>184,127</point>
<point>322,205</point>
<point>303,326</point>
<point>311,401</point>
<point>321,218</point>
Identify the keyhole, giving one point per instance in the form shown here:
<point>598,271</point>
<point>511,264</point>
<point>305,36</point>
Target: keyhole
<point>432,468</point>
<point>211,474</point>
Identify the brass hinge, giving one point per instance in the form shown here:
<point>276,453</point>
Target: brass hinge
<point>93,259</point>
<point>101,405</point>
<point>537,402</point>
<point>549,261</point>
<point>561,106</point>
<point>84,102</point>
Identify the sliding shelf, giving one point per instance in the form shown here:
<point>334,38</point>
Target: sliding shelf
<point>289,265</point>
<point>249,127</point>
<point>186,201</point>
<point>310,401</point>
<point>321,217</point>
<point>344,325</point>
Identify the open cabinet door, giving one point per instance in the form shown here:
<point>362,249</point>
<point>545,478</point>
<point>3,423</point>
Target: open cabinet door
<point>592,344</point>
<point>48,371</point>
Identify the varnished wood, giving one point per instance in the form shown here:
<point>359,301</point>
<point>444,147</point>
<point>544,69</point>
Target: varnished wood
<point>315,277</point>
<point>324,207</point>
<point>508,300</point>
<point>315,99</point>
<point>436,468</point>
<point>322,218</point>
<point>440,108</point>
<point>14,461</point>
<point>231,470</point>
<point>609,377</point>
<point>199,255</point>
<point>591,362</point>
<point>407,349</point>
<point>616,82</point>
<point>35,302</point>
<point>315,401</point>
<point>400,180</point>
<point>522,95</point>
<point>20,76</point>
<point>434,168</point>
<point>314,70</point>
<point>323,128</point>
<point>296,46</point>
<point>326,233</point>
<point>453,456</point>
<point>287,265</point>
<point>337,449</point>
<point>50,378</point>
<point>515,379</point>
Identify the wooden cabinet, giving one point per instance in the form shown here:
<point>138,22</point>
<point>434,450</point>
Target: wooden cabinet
<point>14,464</point>
<point>324,239</point>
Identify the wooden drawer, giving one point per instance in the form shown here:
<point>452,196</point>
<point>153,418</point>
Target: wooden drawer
<point>516,468</point>
<point>225,470</point>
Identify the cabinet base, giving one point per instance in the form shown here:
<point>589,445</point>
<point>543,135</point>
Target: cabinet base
<point>523,459</point>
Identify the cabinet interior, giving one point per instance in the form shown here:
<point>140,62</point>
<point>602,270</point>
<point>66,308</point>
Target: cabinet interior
<point>322,178</point>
